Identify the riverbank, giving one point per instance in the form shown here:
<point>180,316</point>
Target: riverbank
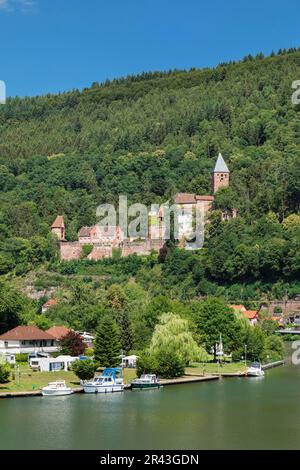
<point>193,374</point>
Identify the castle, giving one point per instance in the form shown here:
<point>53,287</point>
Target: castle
<point>104,240</point>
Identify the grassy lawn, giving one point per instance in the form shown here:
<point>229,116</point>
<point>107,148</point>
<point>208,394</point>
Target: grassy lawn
<point>30,381</point>
<point>213,368</point>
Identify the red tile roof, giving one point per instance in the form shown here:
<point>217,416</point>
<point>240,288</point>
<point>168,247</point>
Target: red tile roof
<point>58,222</point>
<point>185,198</point>
<point>250,314</point>
<point>29,333</point>
<point>58,331</point>
<point>50,303</point>
<point>238,307</point>
<point>204,198</point>
<point>188,198</point>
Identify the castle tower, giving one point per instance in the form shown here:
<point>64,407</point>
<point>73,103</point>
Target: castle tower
<point>220,175</point>
<point>58,228</point>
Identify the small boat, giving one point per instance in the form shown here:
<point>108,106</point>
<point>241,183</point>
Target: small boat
<point>54,389</point>
<point>146,381</point>
<point>255,370</point>
<point>111,380</point>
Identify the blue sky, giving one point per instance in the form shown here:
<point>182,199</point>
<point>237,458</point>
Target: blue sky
<point>57,45</point>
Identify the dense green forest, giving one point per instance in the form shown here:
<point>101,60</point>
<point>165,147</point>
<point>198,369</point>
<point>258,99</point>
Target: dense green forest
<point>147,137</point>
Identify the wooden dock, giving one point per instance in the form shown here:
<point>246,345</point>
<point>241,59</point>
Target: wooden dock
<point>189,379</point>
<point>273,364</point>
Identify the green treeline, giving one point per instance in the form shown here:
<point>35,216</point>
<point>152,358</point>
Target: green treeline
<point>149,137</point>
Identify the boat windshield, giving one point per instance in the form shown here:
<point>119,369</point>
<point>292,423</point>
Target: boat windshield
<point>256,365</point>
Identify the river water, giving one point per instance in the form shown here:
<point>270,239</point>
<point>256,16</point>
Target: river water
<point>231,413</point>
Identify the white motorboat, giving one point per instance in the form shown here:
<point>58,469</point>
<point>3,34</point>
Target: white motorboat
<point>54,389</point>
<point>111,380</point>
<point>255,370</point>
<point>146,381</point>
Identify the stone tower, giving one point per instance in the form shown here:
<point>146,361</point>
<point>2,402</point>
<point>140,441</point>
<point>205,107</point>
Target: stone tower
<point>58,228</point>
<point>220,175</point>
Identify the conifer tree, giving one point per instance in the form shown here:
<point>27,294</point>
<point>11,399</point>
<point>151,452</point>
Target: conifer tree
<point>125,331</point>
<point>107,346</point>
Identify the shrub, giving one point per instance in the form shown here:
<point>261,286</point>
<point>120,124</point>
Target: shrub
<point>164,363</point>
<point>72,344</point>
<point>4,373</point>
<point>21,358</point>
<point>86,250</point>
<point>147,364</point>
<point>84,369</point>
<point>88,352</point>
<point>169,364</point>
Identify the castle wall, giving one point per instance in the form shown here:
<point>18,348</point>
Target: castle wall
<point>73,250</point>
<point>70,251</point>
<point>99,252</point>
<point>143,248</point>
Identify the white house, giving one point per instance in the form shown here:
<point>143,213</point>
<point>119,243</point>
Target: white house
<point>129,361</point>
<point>51,364</point>
<point>27,339</point>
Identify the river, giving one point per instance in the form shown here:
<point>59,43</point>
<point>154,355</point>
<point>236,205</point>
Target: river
<point>231,413</point>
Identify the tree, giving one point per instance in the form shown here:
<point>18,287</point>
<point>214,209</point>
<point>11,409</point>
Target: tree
<point>4,373</point>
<point>273,349</point>
<point>84,369</point>
<point>116,297</point>
<point>146,364</point>
<point>254,339</point>
<point>125,331</point>
<point>107,346</point>
<point>72,344</point>
<point>213,317</point>
<point>164,363</point>
<point>170,364</point>
<point>12,304</point>
<point>172,335</point>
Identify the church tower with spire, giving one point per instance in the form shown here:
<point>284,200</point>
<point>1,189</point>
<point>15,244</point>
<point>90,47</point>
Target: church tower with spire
<point>220,175</point>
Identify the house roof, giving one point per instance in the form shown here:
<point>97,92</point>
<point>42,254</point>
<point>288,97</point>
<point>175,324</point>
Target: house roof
<point>58,331</point>
<point>185,198</point>
<point>250,314</point>
<point>58,222</point>
<point>204,198</point>
<point>188,198</point>
<point>238,307</point>
<point>221,166</point>
<point>84,232</point>
<point>22,333</point>
<point>50,303</point>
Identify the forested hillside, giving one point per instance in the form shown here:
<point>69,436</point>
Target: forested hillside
<point>148,137</point>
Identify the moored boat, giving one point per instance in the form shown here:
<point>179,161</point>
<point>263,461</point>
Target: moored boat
<point>111,380</point>
<point>146,381</point>
<point>255,370</point>
<point>54,389</point>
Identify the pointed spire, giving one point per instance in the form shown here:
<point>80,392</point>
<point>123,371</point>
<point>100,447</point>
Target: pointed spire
<point>221,166</point>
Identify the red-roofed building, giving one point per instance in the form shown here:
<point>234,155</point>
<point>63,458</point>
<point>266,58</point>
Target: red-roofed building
<point>50,303</point>
<point>251,315</point>
<point>58,332</point>
<point>27,339</point>
<point>58,227</point>
<point>240,308</point>
<point>110,235</point>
